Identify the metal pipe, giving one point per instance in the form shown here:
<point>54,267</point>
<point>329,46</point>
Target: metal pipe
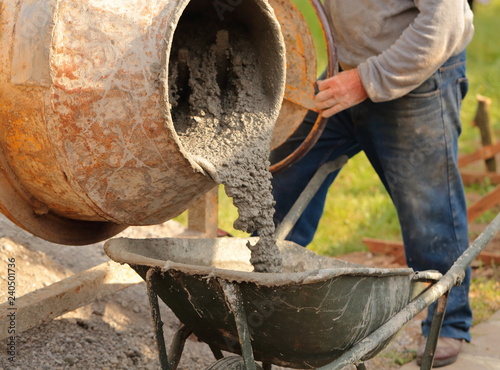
<point>177,346</point>
<point>435,329</point>
<point>235,301</point>
<point>307,194</point>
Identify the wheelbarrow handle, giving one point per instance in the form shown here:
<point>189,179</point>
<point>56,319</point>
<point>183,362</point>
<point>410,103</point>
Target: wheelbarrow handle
<point>453,277</point>
<point>307,194</point>
<point>430,276</point>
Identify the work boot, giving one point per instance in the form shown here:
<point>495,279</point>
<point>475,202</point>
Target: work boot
<point>447,351</point>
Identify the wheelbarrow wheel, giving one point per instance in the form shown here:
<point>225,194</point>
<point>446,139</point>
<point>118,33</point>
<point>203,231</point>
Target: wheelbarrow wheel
<point>231,363</point>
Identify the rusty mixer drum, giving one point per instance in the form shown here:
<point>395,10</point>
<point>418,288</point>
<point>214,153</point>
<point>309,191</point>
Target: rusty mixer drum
<point>88,143</point>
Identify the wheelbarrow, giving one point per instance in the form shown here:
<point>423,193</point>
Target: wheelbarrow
<point>319,312</point>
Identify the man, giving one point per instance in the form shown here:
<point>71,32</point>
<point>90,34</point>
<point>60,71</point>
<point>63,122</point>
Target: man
<point>397,98</point>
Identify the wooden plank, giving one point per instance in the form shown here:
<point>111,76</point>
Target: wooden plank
<point>469,178</point>
<point>489,258</point>
<point>482,205</point>
<point>393,248</point>
<point>203,215</point>
<point>43,305</point>
<point>383,246</point>
<point>396,249</point>
<point>483,123</point>
<point>482,153</point>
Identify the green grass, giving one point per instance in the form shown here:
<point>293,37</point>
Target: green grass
<point>400,358</point>
<point>357,205</point>
<point>484,298</point>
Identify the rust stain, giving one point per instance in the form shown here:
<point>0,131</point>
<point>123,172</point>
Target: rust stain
<point>301,69</point>
<point>94,143</point>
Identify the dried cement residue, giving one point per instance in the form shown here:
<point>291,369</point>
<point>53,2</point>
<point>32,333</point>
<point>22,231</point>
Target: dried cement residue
<point>221,115</point>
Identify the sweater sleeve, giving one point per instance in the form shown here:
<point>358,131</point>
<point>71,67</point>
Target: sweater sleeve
<point>434,35</point>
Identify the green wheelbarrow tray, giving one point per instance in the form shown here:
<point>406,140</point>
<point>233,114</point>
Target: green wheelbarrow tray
<point>305,317</point>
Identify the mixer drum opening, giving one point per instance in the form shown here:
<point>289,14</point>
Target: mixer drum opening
<point>225,70</point>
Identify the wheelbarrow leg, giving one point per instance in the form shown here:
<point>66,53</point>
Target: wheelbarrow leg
<point>267,366</point>
<point>177,346</point>
<point>170,361</point>
<point>233,296</point>
<point>435,329</point>
<point>216,352</point>
<point>158,324</point>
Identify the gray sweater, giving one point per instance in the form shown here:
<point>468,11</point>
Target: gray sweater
<point>398,44</point>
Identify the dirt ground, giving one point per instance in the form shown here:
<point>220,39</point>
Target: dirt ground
<point>115,332</point>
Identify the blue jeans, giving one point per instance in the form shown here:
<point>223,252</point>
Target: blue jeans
<point>411,142</point>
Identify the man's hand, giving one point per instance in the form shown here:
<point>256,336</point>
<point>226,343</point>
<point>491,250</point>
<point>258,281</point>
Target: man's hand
<point>340,92</point>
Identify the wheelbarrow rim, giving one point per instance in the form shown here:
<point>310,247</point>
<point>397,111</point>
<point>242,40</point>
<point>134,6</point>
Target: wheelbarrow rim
<point>121,251</point>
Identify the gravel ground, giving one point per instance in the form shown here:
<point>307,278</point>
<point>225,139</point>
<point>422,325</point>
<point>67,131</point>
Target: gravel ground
<point>115,332</point>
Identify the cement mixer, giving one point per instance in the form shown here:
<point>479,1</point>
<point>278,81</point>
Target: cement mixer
<point>88,141</point>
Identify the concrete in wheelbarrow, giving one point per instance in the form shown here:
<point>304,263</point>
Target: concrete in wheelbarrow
<point>482,353</point>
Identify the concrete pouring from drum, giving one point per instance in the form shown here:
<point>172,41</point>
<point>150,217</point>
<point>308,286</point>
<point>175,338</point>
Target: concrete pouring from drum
<point>219,106</point>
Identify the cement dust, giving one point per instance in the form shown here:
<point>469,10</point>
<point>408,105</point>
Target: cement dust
<point>221,115</point>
